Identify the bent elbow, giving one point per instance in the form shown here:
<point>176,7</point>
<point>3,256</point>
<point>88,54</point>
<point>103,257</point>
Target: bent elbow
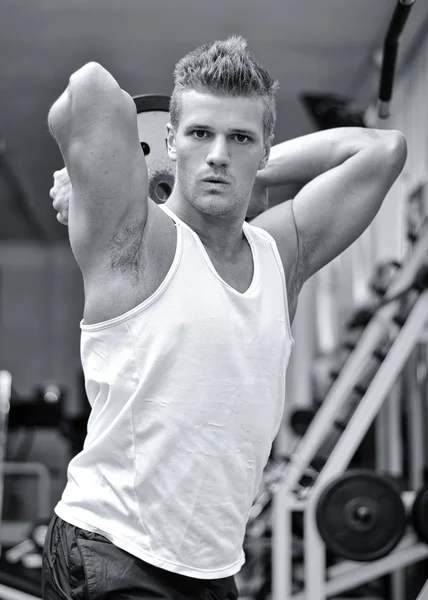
<point>396,147</point>
<point>90,74</point>
<point>89,69</point>
<point>402,148</point>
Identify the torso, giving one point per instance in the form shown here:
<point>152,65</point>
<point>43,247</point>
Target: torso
<point>238,274</point>
<point>107,299</point>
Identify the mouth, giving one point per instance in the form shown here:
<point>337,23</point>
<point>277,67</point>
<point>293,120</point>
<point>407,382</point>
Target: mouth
<point>215,181</point>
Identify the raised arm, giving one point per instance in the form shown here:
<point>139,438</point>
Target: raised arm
<point>95,125</point>
<point>344,175</point>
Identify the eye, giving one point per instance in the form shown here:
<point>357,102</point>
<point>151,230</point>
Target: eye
<point>200,131</point>
<point>241,138</point>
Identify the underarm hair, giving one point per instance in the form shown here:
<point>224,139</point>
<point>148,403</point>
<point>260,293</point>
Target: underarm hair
<point>126,250</point>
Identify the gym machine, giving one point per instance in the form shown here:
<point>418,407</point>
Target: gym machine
<point>5,393</point>
<point>7,590</point>
<point>388,340</point>
<point>22,541</point>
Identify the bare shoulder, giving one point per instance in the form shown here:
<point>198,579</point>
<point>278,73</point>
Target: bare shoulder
<point>279,222</point>
<point>141,255</point>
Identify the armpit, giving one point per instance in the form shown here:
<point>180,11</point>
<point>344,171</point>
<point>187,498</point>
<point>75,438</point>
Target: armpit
<point>126,249</point>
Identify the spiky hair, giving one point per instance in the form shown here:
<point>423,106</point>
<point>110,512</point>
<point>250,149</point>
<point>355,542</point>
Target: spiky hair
<point>225,67</point>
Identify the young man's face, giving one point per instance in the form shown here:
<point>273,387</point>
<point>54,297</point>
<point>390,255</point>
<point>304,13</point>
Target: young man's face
<point>218,137</point>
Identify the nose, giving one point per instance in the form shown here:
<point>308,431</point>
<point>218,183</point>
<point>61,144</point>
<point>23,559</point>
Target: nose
<point>218,154</point>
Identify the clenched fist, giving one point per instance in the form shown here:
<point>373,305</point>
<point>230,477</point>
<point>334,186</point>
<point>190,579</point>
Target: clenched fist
<point>60,194</point>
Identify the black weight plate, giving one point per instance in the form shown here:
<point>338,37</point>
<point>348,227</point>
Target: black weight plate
<point>360,515</point>
<point>152,119</point>
<point>151,102</point>
<point>420,514</point>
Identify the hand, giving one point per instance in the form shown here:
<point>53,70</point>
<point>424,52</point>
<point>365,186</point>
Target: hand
<point>60,194</point>
<point>259,200</point>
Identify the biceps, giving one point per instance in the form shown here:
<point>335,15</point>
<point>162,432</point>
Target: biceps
<point>334,209</point>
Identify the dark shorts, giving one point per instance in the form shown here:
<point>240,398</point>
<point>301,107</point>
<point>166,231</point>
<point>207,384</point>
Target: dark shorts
<point>81,565</point>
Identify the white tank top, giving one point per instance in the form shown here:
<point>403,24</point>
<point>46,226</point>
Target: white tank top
<point>187,393</point>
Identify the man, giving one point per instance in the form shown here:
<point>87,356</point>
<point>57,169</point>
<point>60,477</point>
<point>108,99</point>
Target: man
<point>186,331</point>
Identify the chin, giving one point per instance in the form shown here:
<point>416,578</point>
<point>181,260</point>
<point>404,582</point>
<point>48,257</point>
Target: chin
<point>215,205</point>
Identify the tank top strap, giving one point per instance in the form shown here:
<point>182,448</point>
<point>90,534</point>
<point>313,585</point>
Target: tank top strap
<point>173,216</point>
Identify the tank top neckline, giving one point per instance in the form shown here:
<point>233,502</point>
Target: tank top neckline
<point>253,249</point>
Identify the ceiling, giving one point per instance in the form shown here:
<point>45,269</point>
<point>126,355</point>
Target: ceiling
<point>308,45</point>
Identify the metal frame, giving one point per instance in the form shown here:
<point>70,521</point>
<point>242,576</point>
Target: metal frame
<point>5,393</point>
<point>389,458</point>
<point>320,582</point>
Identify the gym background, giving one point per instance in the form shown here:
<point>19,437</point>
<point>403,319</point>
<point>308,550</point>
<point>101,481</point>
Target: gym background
<point>330,57</point>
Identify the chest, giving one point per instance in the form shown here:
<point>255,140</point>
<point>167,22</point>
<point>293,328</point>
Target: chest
<point>237,274</point>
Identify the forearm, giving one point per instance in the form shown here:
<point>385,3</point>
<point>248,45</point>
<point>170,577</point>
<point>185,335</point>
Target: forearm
<point>300,160</point>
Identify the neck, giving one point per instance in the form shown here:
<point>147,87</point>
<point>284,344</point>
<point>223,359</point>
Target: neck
<point>221,234</point>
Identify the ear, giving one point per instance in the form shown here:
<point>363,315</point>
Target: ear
<point>170,142</point>
<point>266,153</point>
